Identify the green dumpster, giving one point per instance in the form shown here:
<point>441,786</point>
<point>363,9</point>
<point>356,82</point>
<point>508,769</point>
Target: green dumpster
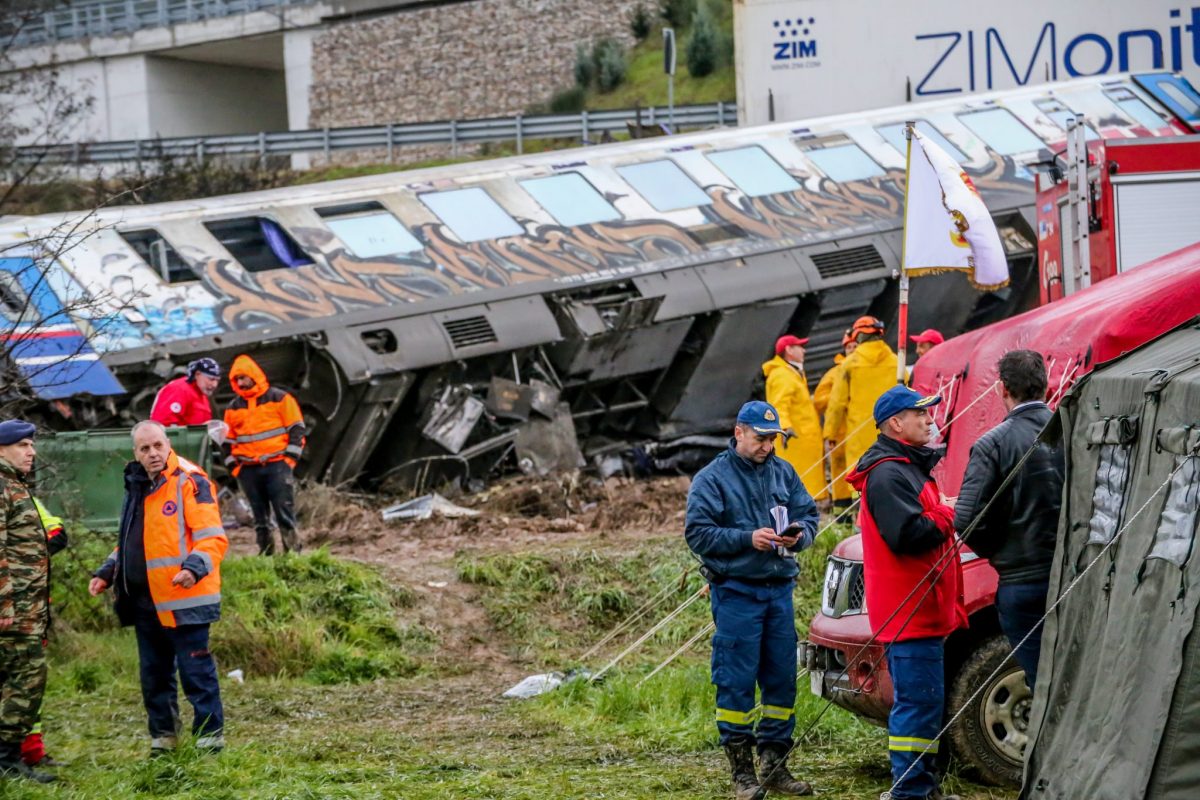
<point>80,474</point>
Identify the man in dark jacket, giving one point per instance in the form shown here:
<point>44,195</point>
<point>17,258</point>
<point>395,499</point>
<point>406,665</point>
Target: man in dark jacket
<point>913,582</point>
<point>1018,531</point>
<point>750,566</point>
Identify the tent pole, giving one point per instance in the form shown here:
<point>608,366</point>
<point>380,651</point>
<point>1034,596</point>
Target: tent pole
<point>902,326</point>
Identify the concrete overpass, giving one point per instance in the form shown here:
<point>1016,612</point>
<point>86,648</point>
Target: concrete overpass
<point>156,68</point>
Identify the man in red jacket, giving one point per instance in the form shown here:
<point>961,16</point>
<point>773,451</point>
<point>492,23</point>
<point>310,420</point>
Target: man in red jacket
<point>913,581</point>
<point>184,401</point>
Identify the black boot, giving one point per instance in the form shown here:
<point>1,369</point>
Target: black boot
<point>741,762</point>
<point>772,757</point>
<point>11,765</point>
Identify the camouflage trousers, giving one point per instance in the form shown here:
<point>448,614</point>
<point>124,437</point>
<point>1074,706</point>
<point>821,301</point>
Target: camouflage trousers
<point>22,683</point>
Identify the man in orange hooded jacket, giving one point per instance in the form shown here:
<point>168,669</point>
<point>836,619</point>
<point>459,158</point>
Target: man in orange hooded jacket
<point>263,444</point>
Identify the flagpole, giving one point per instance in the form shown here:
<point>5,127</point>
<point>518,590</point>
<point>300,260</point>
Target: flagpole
<point>902,326</point>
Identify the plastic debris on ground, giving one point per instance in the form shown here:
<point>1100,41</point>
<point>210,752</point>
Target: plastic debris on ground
<point>425,507</point>
<point>535,685</point>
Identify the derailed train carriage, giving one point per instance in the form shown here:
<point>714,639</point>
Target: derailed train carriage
<point>552,306</point>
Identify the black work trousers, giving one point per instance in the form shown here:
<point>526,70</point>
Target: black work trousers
<point>271,486</point>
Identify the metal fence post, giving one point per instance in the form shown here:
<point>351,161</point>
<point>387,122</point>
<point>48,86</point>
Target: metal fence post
<point>651,116</point>
<point>262,149</point>
<point>454,137</point>
<point>200,151</point>
<point>520,136</point>
<point>326,144</point>
<point>391,142</point>
<point>163,19</point>
<point>583,123</point>
<point>721,113</point>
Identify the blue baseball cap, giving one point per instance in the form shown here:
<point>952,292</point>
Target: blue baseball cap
<point>760,416</point>
<point>14,430</point>
<point>900,398</point>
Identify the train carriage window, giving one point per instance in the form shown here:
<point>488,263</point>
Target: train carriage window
<point>158,253</point>
<point>664,185</point>
<point>754,171</point>
<point>14,300</point>
<point>570,199</point>
<point>369,230</point>
<point>1059,114</point>
<point>1136,108</point>
<point>258,243</point>
<point>1000,130</point>
<point>841,160</point>
<point>894,135</point>
<point>472,214</point>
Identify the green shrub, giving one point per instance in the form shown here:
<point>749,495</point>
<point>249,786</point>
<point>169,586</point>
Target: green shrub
<point>568,101</point>
<point>640,22</point>
<point>678,12</point>
<point>702,47</point>
<point>585,67</point>
<point>611,64</point>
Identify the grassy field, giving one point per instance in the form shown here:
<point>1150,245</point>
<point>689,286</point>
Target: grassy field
<point>353,690</point>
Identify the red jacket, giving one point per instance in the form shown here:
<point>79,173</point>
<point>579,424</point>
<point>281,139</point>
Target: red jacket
<point>908,542</point>
<point>181,402</point>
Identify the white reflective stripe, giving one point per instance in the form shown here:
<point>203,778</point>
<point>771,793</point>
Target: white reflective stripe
<point>205,557</point>
<point>157,563</point>
<point>187,465</point>
<point>40,361</point>
<point>179,517</point>
<point>207,533</point>
<point>189,602</point>
<point>258,437</point>
<point>292,450</point>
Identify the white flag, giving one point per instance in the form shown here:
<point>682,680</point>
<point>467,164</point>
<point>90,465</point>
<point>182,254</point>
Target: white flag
<point>946,224</point>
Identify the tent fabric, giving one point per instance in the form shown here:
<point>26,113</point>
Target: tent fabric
<point>1116,713</point>
<point>1094,325</point>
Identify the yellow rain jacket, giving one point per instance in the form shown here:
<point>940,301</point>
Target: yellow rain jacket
<point>867,373</point>
<point>837,459</point>
<point>787,390</point>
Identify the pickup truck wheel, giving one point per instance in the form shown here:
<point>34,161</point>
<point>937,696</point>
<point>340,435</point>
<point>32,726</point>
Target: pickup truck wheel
<point>991,732</point>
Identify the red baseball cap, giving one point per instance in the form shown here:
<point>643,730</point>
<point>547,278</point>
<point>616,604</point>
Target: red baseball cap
<point>928,335</point>
<point>784,342</point>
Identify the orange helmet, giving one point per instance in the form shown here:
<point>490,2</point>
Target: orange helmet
<point>867,325</point>
<point>847,337</point>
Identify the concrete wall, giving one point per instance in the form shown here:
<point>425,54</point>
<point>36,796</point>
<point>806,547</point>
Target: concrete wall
<point>187,98</point>
<point>467,59</point>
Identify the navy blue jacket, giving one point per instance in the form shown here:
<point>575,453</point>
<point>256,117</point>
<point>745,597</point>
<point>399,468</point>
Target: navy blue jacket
<point>730,499</point>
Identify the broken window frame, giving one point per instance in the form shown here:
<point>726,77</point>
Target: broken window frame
<point>165,260</point>
<point>256,264</point>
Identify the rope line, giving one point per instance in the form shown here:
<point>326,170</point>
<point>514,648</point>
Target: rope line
<point>1070,587</point>
<point>638,642</point>
<point>707,629</point>
<point>645,608</point>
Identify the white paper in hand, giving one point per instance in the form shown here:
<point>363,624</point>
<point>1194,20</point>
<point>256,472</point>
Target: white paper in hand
<point>779,515</point>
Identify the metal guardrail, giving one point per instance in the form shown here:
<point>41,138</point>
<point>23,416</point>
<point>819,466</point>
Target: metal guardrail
<point>117,17</point>
<point>585,126</point>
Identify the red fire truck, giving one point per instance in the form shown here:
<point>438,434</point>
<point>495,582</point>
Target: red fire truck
<point>1105,207</point>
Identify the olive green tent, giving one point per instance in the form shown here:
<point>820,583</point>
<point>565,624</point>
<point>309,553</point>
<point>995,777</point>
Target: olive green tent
<point>1116,714</point>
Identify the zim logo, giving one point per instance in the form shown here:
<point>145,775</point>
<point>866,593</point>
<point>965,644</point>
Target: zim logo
<point>169,508</point>
<point>794,39</point>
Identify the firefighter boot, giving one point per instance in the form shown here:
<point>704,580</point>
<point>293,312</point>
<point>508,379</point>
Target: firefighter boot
<point>291,540</point>
<point>772,757</point>
<point>741,762</point>
<point>11,765</point>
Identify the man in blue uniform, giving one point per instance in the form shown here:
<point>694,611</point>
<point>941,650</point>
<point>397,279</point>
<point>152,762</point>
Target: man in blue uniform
<point>751,568</point>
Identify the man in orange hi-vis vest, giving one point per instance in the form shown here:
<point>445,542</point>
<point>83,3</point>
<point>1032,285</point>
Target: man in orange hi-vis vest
<point>264,442</point>
<point>166,573</point>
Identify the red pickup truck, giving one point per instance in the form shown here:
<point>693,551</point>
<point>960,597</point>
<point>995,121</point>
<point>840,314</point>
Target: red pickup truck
<point>1075,333</point>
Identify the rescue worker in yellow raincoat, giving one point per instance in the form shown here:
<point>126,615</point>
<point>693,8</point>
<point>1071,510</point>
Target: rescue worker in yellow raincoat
<point>867,373</point>
<point>787,390</point>
<point>842,493</point>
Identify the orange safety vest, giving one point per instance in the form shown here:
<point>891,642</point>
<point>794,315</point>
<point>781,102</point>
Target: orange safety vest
<point>181,528</point>
<point>262,420</point>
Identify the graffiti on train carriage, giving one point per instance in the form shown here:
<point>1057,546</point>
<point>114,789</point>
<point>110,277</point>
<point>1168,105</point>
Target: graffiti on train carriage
<point>340,281</point>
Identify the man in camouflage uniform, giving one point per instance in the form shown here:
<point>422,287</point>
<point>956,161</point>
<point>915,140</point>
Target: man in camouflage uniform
<point>24,600</point>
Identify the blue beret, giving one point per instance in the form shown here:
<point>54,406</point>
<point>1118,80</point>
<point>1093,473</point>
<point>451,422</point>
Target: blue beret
<point>14,430</point>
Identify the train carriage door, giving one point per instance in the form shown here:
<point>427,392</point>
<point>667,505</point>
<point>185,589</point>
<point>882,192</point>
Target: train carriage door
<point>42,340</point>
